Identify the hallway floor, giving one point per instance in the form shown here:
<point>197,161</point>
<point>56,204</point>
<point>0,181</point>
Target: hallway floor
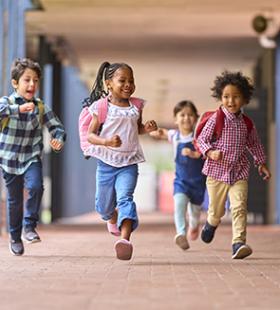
<point>74,267</point>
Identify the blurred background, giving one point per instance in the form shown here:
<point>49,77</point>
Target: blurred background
<point>176,49</point>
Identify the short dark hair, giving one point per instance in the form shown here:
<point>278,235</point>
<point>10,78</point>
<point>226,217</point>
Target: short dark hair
<point>20,65</point>
<point>185,104</point>
<point>242,82</point>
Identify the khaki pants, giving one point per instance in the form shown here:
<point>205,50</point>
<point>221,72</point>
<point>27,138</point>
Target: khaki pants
<point>237,193</point>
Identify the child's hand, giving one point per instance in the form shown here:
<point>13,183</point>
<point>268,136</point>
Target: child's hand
<point>160,133</point>
<point>190,153</point>
<point>264,172</point>
<point>150,126</point>
<point>115,141</point>
<point>186,151</point>
<point>157,133</point>
<point>56,144</point>
<point>215,155</point>
<point>27,107</point>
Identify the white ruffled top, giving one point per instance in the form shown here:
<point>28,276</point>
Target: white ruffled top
<point>121,121</point>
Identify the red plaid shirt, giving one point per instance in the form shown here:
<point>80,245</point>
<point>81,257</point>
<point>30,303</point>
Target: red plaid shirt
<point>233,142</point>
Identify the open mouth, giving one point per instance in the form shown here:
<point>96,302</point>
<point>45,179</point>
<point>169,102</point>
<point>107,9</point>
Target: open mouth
<point>30,93</point>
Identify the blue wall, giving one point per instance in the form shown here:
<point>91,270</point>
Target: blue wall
<point>78,173</point>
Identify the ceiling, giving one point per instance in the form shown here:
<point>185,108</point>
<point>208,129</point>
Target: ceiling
<point>176,45</point>
<point>90,25</point>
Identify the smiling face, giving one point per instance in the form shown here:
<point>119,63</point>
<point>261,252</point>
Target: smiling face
<point>232,99</point>
<point>185,119</point>
<point>121,85</point>
<point>27,85</point>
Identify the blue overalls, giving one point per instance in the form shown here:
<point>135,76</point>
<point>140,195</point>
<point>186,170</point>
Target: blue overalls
<point>188,177</point>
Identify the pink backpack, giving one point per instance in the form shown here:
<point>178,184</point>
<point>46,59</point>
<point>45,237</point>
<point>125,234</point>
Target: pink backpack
<point>102,107</point>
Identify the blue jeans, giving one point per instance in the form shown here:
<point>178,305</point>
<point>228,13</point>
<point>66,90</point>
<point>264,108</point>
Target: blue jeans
<point>33,182</point>
<point>114,189</point>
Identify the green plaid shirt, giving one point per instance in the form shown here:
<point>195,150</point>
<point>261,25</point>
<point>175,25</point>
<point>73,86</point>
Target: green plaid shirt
<point>21,141</point>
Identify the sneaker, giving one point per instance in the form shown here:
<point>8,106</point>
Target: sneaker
<point>123,249</point>
<point>241,250</point>
<point>208,232</point>
<point>16,247</point>
<point>181,241</point>
<point>30,235</point>
<point>113,229</point>
<point>193,233</point>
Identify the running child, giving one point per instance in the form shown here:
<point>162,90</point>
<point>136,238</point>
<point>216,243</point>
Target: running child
<point>22,118</point>
<point>227,165</point>
<point>115,144</point>
<point>189,182</point>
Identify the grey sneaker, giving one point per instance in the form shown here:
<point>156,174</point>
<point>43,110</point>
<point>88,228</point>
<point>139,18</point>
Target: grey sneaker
<point>30,235</point>
<point>16,247</point>
<point>181,241</point>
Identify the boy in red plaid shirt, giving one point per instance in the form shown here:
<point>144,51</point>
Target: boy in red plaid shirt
<point>226,165</point>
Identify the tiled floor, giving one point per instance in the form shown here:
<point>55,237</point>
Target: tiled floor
<point>74,267</point>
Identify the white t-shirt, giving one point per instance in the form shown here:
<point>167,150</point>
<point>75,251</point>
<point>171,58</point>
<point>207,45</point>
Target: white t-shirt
<point>121,121</point>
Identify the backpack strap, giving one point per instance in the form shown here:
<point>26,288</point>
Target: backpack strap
<point>41,108</point>
<point>102,108</point>
<point>4,121</point>
<point>220,119</point>
<point>203,119</point>
<point>137,102</point>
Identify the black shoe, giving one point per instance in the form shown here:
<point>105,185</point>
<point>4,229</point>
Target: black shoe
<point>30,235</point>
<point>16,247</point>
<point>241,250</point>
<point>208,232</point>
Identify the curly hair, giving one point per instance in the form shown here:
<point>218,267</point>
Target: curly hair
<point>242,82</point>
<point>20,65</point>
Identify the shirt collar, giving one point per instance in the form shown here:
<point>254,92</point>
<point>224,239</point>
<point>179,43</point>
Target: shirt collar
<point>19,99</point>
<point>231,116</point>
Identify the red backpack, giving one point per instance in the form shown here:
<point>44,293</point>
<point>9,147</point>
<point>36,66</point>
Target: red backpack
<point>218,126</point>
<point>102,107</point>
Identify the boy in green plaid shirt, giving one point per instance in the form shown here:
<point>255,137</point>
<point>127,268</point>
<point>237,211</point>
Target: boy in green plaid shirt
<point>22,119</point>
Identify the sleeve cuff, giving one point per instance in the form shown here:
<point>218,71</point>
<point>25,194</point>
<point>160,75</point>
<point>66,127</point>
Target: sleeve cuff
<point>14,109</point>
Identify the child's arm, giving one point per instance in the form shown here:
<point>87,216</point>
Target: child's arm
<point>160,133</point>
<point>94,138</point>
<point>13,110</point>
<point>55,128</point>
<point>148,127</point>
<point>256,149</point>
